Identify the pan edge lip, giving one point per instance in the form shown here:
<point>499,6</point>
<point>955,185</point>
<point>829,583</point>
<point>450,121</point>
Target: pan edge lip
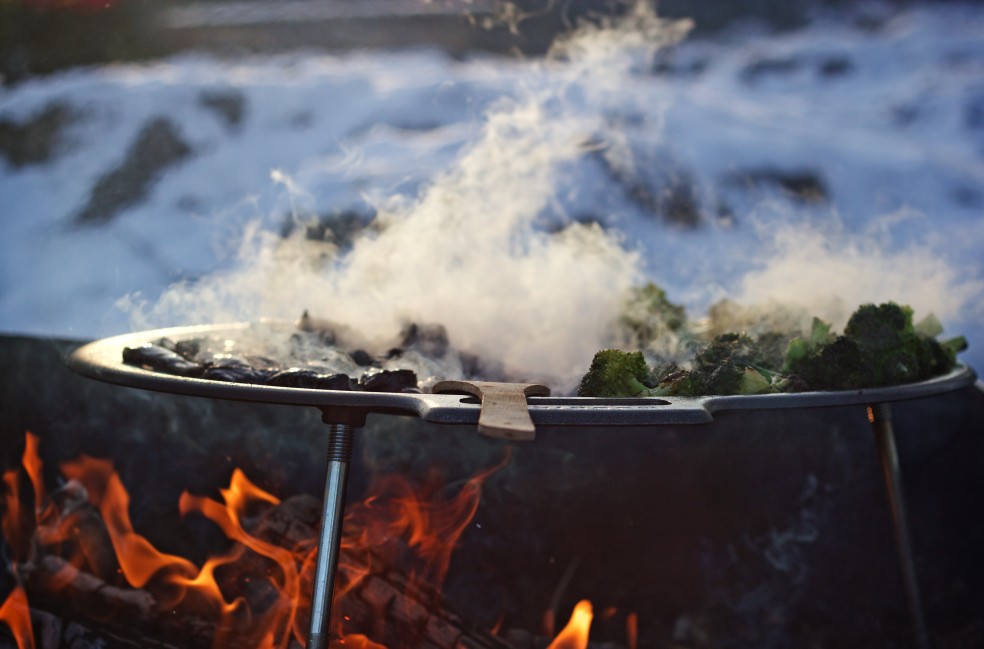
<point>102,360</point>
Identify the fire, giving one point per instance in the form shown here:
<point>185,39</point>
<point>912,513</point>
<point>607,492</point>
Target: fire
<point>139,560</point>
<point>575,634</point>
<point>15,614</point>
<point>257,593</point>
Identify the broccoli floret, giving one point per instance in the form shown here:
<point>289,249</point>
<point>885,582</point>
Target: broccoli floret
<point>729,364</point>
<point>727,378</point>
<point>648,315</point>
<point>754,381</point>
<point>796,352</point>
<point>837,366</point>
<point>681,384</point>
<point>732,378</point>
<point>724,378</point>
<point>951,347</point>
<point>880,347</point>
<point>735,348</point>
<point>615,373</point>
<point>799,348</point>
<point>880,327</point>
<point>893,347</point>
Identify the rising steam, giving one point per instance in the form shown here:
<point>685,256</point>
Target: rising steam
<point>469,250</point>
<point>829,271</point>
<point>466,251</point>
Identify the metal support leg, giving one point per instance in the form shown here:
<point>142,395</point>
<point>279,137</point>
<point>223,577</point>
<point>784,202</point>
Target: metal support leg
<point>880,416</point>
<point>339,453</point>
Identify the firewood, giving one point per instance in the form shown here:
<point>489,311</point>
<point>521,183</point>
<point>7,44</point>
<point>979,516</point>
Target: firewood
<point>53,574</point>
<point>56,632</point>
<point>383,604</point>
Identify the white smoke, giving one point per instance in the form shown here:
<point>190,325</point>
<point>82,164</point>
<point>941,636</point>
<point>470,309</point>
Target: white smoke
<point>466,251</point>
<point>828,271</point>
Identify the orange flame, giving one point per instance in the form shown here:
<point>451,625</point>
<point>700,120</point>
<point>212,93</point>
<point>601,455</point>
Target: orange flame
<point>15,614</point>
<point>279,620</point>
<point>32,464</point>
<point>359,641</point>
<point>426,522</point>
<point>15,521</point>
<point>138,559</point>
<point>632,630</point>
<point>430,524</point>
<point>11,519</point>
<point>575,634</point>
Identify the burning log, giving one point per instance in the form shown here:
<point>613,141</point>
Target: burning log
<point>58,632</point>
<point>414,615</point>
<point>88,592</point>
<point>55,632</point>
<point>381,603</point>
<point>375,599</point>
<point>252,594</point>
<point>131,617</point>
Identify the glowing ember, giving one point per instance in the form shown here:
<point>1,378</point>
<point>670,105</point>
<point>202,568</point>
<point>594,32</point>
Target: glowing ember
<point>57,548</point>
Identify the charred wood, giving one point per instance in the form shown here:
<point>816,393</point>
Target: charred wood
<point>377,600</point>
<point>56,632</point>
<point>82,610</point>
<point>53,574</point>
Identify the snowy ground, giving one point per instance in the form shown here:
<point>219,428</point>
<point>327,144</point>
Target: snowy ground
<point>825,167</point>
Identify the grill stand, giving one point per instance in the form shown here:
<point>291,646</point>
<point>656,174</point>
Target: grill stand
<point>344,411</point>
<point>342,423</point>
<point>880,416</point>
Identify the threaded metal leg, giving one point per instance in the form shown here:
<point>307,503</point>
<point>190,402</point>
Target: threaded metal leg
<point>339,453</point>
<point>880,416</point>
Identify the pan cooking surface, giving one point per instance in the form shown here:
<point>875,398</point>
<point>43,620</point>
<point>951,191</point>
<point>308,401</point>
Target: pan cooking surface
<point>103,360</point>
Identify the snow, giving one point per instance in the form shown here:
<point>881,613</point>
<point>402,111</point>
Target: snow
<point>890,121</point>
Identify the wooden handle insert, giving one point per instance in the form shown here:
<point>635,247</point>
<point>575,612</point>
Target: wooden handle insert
<point>504,409</point>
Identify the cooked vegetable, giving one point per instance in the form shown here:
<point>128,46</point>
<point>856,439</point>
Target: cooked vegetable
<point>880,347</point>
<point>648,315</point>
<point>615,373</point>
<point>729,364</point>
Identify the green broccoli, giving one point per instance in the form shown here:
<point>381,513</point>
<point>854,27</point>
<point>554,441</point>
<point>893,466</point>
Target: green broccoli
<point>615,373</point>
<point>837,366</point>
<point>648,315</point>
<point>729,364</point>
<point>891,346</point>
<point>952,347</point>
<point>681,384</point>
<point>880,347</point>
<point>799,348</point>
